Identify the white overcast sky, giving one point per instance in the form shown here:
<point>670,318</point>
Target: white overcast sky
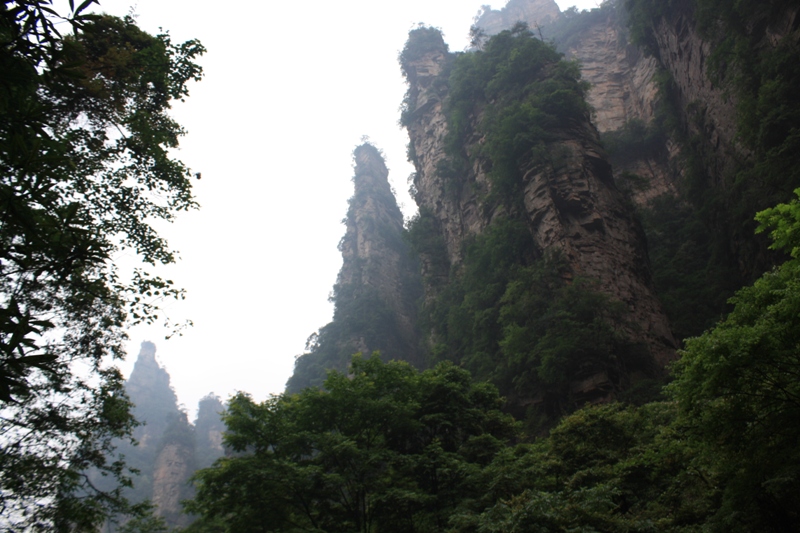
<point>290,88</point>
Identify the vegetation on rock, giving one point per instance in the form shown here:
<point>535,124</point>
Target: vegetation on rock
<point>754,63</point>
<point>370,312</point>
<point>510,312</point>
<point>715,450</point>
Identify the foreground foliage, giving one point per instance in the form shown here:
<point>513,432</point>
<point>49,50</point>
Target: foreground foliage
<point>383,448</point>
<point>739,393</point>
<point>84,171</point>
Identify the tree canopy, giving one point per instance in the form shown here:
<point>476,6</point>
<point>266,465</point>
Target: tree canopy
<point>85,169</point>
<point>381,448</point>
<point>738,391</point>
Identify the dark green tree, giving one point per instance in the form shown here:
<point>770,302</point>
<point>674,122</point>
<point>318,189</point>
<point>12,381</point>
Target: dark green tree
<point>738,391</point>
<point>382,448</point>
<point>610,468</point>
<point>84,171</point>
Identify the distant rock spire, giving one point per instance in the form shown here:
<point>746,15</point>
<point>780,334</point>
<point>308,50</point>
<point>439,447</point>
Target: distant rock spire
<point>377,288</point>
<point>149,389</point>
<point>376,258</point>
<point>165,464</point>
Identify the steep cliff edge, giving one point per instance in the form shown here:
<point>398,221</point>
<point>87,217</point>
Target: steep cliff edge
<point>625,96</point>
<point>525,151</point>
<point>694,102</point>
<point>710,110</point>
<point>378,285</point>
<point>374,256</point>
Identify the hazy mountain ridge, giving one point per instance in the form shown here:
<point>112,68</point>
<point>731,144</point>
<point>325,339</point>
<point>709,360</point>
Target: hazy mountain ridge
<point>168,448</point>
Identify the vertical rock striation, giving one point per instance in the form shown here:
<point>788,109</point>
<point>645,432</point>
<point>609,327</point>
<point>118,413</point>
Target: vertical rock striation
<point>727,71</point>
<point>375,258</point>
<point>710,111</point>
<point>624,91</point>
<point>570,201</point>
<point>173,467</point>
<point>622,77</point>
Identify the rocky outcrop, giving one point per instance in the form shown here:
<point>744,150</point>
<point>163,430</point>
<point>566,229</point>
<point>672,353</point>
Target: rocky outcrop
<point>574,207</point>
<point>621,76</point>
<point>623,88</point>
<point>709,106</point>
<point>376,292</point>
<point>171,472</point>
<point>427,131</point>
<point>726,141</point>
<point>533,12</point>
<point>375,258</point>
<point>168,449</point>
<point>570,201</point>
<point>710,111</point>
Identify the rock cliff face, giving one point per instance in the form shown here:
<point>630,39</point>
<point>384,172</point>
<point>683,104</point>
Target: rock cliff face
<point>375,258</point>
<point>570,202</point>
<point>719,134</point>
<point>621,76</point>
<point>377,288</point>
<point>710,111</point>
<point>623,88</point>
<point>173,467</point>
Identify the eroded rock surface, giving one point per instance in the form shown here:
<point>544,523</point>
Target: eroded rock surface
<point>171,473</point>
<point>571,203</point>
